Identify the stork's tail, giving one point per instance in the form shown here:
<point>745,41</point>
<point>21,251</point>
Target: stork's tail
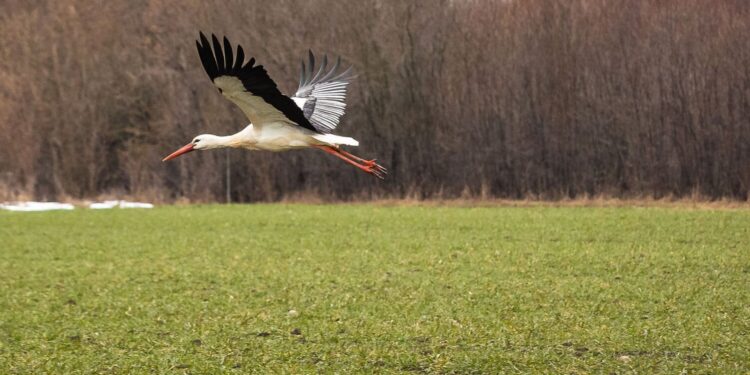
<point>336,140</point>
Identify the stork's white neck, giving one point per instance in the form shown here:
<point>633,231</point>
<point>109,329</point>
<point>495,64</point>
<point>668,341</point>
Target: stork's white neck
<point>239,139</point>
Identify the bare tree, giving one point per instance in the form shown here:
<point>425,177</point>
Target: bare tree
<point>542,98</point>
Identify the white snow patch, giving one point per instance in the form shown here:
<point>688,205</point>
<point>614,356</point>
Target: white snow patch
<point>35,206</point>
<point>121,204</point>
<point>124,204</point>
<point>103,205</point>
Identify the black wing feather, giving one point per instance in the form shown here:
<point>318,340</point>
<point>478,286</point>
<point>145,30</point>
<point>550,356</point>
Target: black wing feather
<point>240,58</point>
<point>228,54</point>
<point>255,79</point>
<point>207,58</point>
<point>219,55</point>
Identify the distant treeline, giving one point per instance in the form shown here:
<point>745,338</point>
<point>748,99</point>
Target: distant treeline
<point>475,98</point>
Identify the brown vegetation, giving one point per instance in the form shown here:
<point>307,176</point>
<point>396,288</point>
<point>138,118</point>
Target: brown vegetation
<point>478,98</point>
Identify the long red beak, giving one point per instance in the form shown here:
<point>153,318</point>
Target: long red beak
<point>183,150</point>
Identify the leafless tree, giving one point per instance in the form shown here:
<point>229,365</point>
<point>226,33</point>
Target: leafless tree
<point>483,98</point>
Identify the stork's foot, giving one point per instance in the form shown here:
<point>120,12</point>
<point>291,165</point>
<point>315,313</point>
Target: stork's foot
<point>369,166</point>
<point>369,163</point>
<point>375,170</point>
<point>374,165</point>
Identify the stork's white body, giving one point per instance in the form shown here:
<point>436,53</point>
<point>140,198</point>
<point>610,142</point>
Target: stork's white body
<point>276,136</point>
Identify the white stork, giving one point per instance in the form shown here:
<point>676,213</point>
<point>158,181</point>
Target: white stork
<point>278,122</point>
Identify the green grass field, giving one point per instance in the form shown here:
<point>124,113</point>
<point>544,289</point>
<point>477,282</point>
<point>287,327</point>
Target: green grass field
<point>209,289</point>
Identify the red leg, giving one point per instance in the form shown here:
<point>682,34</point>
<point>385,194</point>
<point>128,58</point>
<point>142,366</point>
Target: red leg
<point>357,158</point>
<point>369,163</point>
<point>367,168</point>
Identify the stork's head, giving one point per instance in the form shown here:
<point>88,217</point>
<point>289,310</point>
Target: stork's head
<point>201,142</point>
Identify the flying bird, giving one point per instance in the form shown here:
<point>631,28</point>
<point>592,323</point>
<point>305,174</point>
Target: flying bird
<point>278,122</point>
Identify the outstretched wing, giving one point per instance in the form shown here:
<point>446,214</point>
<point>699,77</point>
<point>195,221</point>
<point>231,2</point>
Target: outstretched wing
<point>322,95</point>
<point>248,85</point>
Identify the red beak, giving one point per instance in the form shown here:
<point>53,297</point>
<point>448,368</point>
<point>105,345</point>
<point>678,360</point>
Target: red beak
<point>183,150</point>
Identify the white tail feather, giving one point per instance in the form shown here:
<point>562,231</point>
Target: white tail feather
<point>336,140</point>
